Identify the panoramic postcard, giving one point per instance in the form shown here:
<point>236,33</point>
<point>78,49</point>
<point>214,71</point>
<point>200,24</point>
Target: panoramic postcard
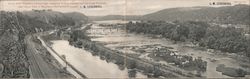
<point>123,39</point>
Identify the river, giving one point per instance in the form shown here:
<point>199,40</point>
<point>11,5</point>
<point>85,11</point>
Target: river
<point>91,66</point>
<point>118,39</point>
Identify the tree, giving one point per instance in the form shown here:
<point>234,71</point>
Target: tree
<point>64,57</point>
<point>132,64</point>
<point>132,73</point>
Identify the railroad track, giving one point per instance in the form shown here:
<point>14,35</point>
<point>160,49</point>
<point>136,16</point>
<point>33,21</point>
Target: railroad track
<point>70,65</point>
<point>39,68</point>
<point>34,68</point>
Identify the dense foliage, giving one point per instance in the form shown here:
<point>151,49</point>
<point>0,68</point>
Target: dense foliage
<point>227,39</point>
<point>237,14</point>
<point>57,18</point>
<point>14,26</point>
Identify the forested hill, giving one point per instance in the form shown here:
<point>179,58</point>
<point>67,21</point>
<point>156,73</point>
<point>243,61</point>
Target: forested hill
<point>239,14</point>
<point>14,26</point>
<point>57,18</point>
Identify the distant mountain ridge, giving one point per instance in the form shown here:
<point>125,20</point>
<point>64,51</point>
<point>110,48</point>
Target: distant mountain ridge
<point>57,18</point>
<point>238,14</point>
<point>115,17</point>
<point>227,14</point>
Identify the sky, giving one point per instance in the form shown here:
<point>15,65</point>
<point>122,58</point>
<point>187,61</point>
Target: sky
<point>111,7</point>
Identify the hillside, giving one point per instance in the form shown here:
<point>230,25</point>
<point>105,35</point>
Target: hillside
<point>14,26</point>
<point>230,14</point>
<point>238,14</point>
<point>77,17</point>
<point>57,18</point>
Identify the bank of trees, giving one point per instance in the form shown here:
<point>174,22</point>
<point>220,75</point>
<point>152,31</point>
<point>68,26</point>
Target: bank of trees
<point>178,31</point>
<point>228,39</point>
<point>76,35</point>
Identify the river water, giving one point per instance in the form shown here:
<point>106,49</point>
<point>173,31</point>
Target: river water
<point>91,66</point>
<point>114,38</point>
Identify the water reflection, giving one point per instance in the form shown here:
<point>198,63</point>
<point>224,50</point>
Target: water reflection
<point>91,66</point>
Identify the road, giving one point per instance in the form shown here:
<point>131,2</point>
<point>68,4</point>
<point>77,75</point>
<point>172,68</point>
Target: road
<point>39,68</point>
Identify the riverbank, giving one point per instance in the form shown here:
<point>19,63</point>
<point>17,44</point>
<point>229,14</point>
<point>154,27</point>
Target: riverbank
<point>62,60</point>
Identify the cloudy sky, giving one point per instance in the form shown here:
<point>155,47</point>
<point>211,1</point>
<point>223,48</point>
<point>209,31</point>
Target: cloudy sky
<point>114,7</point>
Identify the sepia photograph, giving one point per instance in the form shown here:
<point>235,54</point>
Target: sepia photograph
<point>123,39</point>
